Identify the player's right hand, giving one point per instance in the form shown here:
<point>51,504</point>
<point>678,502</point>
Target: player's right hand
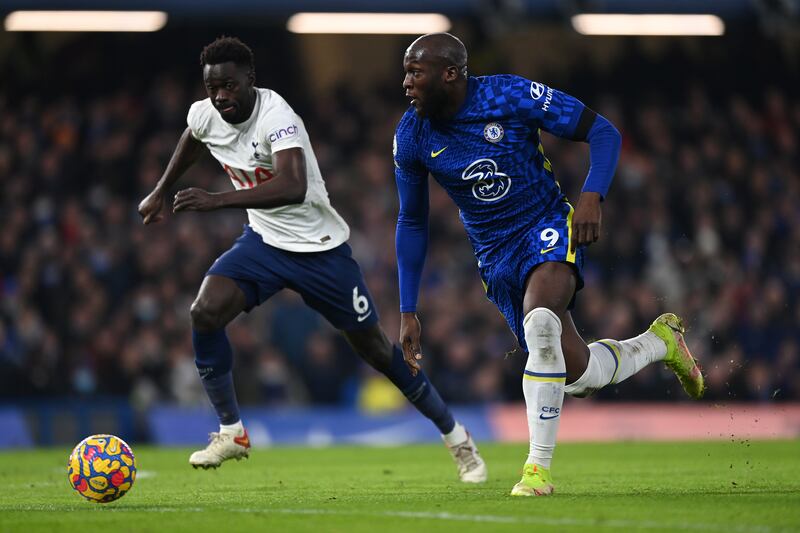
<point>150,208</point>
<point>410,332</point>
<point>586,220</point>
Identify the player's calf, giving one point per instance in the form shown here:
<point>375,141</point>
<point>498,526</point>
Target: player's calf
<point>612,361</point>
<point>543,383</point>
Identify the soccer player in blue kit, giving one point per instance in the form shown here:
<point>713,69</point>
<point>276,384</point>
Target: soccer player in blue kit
<point>294,240</point>
<point>479,137</point>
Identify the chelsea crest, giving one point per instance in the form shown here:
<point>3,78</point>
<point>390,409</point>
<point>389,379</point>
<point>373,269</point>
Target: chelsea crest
<point>493,132</point>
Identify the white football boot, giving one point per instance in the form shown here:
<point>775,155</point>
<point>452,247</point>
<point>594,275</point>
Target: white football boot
<point>221,447</point>
<point>470,464</point>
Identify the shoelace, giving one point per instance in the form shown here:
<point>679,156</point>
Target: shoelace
<point>466,457</point>
<point>214,441</point>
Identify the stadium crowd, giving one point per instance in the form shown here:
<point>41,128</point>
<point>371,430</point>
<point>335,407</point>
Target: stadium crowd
<point>703,219</point>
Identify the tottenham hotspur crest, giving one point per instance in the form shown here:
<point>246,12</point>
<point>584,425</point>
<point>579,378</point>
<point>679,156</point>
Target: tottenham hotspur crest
<point>493,132</point>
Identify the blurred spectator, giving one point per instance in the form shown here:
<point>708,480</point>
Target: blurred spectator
<point>703,220</point>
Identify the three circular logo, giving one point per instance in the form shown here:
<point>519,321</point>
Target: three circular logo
<point>490,184</point>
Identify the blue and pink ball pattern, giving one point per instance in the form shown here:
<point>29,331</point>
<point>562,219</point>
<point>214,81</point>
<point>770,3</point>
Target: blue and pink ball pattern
<point>102,468</point>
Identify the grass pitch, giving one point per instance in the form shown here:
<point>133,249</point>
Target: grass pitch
<point>727,486</point>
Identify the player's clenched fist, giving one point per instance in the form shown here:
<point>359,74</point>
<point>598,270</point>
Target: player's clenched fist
<point>150,207</point>
<point>194,199</point>
<point>586,221</point>
<point>410,330</point>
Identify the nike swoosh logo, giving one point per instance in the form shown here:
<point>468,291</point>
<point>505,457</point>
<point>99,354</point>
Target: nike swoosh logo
<point>547,417</point>
<point>546,250</point>
<point>244,440</point>
<point>436,154</point>
<point>364,317</point>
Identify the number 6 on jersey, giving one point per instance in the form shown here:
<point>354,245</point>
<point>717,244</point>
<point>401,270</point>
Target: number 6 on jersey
<point>360,305</point>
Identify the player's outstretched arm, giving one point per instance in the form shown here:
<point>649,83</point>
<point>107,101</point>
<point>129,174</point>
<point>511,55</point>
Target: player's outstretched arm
<point>288,186</point>
<point>186,152</point>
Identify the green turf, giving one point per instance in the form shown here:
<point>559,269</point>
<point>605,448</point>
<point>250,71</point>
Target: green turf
<point>710,486</point>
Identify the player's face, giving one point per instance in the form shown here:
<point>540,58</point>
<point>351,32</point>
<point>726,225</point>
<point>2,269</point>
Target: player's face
<point>424,84</point>
<point>230,88</point>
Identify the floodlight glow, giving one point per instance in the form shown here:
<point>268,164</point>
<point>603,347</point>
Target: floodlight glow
<point>375,23</point>
<point>626,24</point>
<point>85,21</point>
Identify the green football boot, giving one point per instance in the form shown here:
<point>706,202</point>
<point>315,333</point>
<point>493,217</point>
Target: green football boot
<point>536,481</point>
<point>669,328</point>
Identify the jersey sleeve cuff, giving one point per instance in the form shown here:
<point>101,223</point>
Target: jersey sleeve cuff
<point>285,146</point>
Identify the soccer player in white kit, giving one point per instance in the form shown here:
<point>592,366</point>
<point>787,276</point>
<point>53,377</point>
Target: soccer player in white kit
<point>294,239</point>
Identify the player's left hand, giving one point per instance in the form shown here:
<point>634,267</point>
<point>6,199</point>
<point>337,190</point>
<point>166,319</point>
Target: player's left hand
<point>194,199</point>
<point>410,333</point>
<point>586,220</point>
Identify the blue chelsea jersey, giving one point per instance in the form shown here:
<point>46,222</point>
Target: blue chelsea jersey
<point>489,157</point>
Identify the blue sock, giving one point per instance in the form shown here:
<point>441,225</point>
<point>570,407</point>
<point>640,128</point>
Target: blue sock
<point>419,391</point>
<point>214,360</point>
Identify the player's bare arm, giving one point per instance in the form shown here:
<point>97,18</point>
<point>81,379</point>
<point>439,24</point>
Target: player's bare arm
<point>410,332</point>
<point>186,153</point>
<point>586,220</point>
<point>287,187</point>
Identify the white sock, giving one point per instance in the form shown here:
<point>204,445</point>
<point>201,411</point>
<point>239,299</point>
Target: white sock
<point>613,361</point>
<point>236,429</point>
<point>456,436</point>
<point>543,383</point>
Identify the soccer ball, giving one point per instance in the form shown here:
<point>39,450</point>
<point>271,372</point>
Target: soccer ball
<point>102,468</point>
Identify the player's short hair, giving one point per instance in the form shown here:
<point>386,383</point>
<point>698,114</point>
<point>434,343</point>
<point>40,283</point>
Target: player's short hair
<point>446,47</point>
<point>225,49</point>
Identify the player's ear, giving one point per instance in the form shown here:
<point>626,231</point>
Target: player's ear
<point>451,73</point>
<point>251,78</point>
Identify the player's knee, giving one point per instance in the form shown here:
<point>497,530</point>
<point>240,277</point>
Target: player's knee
<point>205,316</point>
<point>543,336</point>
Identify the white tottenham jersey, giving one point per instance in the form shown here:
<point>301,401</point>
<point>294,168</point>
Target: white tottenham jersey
<point>245,151</point>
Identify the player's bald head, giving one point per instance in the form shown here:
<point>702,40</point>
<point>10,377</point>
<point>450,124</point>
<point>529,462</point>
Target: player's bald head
<point>443,48</point>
